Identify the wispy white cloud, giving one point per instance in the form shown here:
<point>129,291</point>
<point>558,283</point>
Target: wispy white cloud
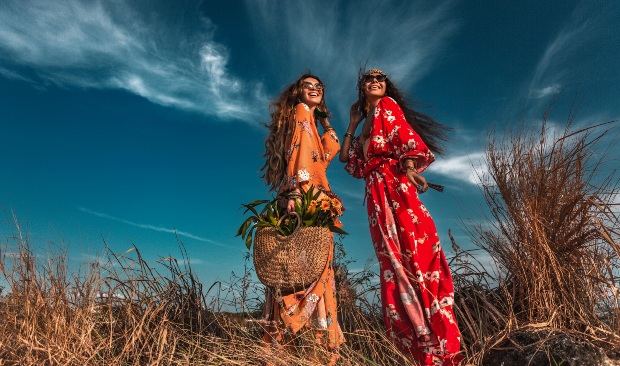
<point>102,44</point>
<point>581,53</point>
<point>153,227</point>
<point>466,168</point>
<point>333,39</point>
<point>545,91</point>
<point>13,75</point>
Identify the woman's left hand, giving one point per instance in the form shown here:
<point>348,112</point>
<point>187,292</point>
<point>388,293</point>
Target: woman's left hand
<point>417,180</point>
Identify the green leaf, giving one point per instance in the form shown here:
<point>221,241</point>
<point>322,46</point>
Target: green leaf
<point>336,229</point>
<point>248,241</point>
<point>255,203</point>
<point>251,208</point>
<point>244,227</point>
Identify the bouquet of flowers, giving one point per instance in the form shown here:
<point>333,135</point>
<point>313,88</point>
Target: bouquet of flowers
<point>310,210</point>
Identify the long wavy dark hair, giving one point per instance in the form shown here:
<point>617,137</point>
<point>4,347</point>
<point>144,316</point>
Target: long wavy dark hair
<point>432,132</point>
<point>282,115</point>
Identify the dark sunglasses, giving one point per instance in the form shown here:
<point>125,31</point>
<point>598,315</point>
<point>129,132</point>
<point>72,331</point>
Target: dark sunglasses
<point>308,85</point>
<point>370,78</point>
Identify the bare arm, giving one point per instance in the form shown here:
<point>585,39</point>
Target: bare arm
<point>354,121</point>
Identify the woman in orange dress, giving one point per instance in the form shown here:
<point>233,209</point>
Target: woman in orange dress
<point>297,157</point>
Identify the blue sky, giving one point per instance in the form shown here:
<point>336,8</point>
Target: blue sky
<point>123,122</point>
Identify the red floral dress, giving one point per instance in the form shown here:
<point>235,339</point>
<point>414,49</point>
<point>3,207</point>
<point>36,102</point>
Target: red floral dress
<point>416,285</point>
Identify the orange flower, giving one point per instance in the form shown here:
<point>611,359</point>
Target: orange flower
<point>325,204</point>
<point>336,202</point>
<point>336,211</point>
<point>312,207</point>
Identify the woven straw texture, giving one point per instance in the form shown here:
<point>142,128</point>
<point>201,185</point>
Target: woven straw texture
<point>291,262</point>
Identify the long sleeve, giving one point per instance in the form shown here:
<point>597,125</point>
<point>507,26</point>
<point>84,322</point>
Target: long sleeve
<point>308,154</point>
<point>355,165</point>
<point>401,141</point>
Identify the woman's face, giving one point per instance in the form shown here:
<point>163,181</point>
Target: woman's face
<point>374,88</point>
<point>312,92</point>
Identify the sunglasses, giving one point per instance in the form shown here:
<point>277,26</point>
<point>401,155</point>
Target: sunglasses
<point>370,78</point>
<point>308,85</point>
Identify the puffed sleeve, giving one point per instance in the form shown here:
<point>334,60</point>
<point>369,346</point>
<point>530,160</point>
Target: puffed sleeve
<point>301,150</point>
<point>355,164</point>
<point>401,138</point>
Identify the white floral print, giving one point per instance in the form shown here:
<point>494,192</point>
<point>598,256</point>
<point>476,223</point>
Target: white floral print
<point>304,175</point>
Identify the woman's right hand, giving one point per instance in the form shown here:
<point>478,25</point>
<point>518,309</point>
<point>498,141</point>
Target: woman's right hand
<point>355,115</point>
<point>290,206</point>
<point>354,121</point>
<point>417,180</point>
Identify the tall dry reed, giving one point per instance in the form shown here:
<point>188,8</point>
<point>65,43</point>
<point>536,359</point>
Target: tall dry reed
<point>554,235</point>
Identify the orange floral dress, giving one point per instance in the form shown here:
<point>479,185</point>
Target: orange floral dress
<point>308,155</point>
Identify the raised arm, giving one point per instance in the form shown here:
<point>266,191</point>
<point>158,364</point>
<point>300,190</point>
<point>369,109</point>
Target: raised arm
<point>354,121</point>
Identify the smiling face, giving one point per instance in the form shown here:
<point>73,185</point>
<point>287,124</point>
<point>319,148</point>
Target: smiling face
<point>311,92</point>
<point>373,88</point>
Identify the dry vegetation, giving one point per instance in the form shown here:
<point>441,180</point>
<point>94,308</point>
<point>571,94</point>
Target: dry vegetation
<point>127,312</point>
<point>552,232</point>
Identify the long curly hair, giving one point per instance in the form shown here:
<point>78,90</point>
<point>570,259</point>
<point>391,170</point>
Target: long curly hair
<point>282,116</point>
<point>432,132</point>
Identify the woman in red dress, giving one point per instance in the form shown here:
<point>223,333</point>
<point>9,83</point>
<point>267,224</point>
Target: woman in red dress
<point>394,147</point>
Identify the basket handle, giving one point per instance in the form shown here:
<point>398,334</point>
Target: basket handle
<point>291,214</point>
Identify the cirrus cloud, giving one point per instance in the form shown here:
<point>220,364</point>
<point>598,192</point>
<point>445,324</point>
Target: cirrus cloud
<point>110,45</point>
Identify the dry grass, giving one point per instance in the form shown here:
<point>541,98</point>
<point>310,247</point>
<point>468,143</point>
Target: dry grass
<point>553,234</point>
<point>126,312</point>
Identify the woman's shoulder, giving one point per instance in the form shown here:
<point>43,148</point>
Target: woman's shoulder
<point>302,107</point>
<point>386,101</point>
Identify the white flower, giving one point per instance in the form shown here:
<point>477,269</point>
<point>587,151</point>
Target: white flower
<point>322,323</point>
<point>373,221</point>
<point>446,301</point>
<point>304,175</point>
<point>407,299</point>
<point>433,276</point>
<point>395,263</point>
<point>392,313</point>
<point>412,144</point>
<point>419,276</point>
<point>392,231</point>
<point>404,187</point>
<point>423,208</point>
<point>406,342</point>
<point>313,298</point>
<point>388,275</point>
<point>395,205</point>
<point>379,140</point>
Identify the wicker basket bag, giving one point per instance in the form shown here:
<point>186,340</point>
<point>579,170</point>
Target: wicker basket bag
<point>291,262</point>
